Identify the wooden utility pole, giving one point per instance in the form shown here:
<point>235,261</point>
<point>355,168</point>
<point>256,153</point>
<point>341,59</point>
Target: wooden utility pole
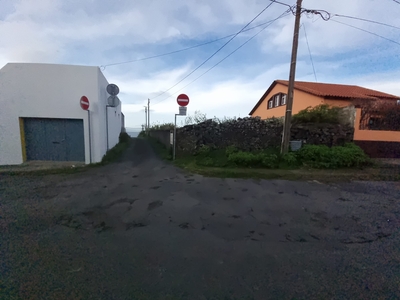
<point>292,75</point>
<point>145,117</point>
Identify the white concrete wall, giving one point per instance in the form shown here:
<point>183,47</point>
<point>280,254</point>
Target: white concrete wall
<point>52,91</point>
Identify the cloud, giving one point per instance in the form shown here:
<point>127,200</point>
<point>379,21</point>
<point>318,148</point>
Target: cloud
<point>101,32</point>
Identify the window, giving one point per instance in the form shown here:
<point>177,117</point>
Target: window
<point>270,104</point>
<point>283,101</point>
<point>276,97</point>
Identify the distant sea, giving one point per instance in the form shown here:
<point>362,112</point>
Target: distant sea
<point>133,133</point>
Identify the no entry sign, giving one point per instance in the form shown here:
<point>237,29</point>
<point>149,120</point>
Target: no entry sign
<point>183,100</point>
<point>84,103</point>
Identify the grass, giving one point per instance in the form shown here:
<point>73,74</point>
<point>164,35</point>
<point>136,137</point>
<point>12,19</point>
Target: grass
<point>220,168</point>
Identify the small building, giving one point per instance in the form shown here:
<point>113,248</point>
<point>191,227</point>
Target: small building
<point>41,117</point>
<point>376,142</point>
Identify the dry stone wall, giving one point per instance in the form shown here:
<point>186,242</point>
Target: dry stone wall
<point>251,134</point>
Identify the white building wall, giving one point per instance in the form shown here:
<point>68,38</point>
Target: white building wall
<point>51,91</point>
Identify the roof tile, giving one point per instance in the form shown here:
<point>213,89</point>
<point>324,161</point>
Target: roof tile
<point>338,90</point>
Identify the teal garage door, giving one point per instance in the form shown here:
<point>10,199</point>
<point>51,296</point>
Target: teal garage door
<point>54,139</point>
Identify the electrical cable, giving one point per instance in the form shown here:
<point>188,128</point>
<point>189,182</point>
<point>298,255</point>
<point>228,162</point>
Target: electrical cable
<point>184,49</point>
<point>309,51</point>
<point>248,40</point>
<point>198,67</point>
<point>373,33</point>
<point>366,20</point>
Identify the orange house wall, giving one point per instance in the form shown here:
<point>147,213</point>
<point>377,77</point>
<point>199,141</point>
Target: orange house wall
<point>301,101</point>
<point>373,135</point>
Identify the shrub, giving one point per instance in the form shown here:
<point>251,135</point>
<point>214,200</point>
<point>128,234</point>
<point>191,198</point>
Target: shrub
<point>231,149</point>
<point>321,156</point>
<point>270,160</point>
<point>124,138</point>
<point>163,126</point>
<point>254,160</point>
<point>290,159</point>
<point>244,159</point>
<point>319,114</point>
<point>204,150</point>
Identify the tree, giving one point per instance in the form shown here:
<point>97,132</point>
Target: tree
<point>379,114</point>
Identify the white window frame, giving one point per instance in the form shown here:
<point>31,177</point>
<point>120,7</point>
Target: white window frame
<point>270,104</point>
<point>277,100</point>
<point>284,98</point>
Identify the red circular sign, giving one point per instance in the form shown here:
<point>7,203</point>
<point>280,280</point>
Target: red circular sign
<point>84,103</point>
<point>183,100</point>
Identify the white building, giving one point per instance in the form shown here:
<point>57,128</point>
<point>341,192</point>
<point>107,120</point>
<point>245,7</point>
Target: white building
<point>41,117</point>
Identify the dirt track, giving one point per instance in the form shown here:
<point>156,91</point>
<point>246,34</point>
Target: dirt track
<point>143,229</point>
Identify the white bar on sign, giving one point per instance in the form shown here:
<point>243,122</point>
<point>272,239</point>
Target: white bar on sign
<point>183,100</point>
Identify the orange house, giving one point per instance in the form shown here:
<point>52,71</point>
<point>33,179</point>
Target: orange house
<point>311,94</point>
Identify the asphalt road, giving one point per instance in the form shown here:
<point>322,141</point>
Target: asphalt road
<point>143,229</point>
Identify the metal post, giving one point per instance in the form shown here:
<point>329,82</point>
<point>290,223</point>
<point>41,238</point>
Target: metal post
<point>174,149</point>
<point>148,112</point>
<point>145,115</point>
<point>90,138</point>
<point>289,104</point>
<point>107,125</point>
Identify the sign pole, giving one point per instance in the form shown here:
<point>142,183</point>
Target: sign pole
<point>107,125</point>
<point>174,151</point>
<point>90,137</point>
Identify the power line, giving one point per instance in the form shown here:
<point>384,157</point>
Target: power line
<point>309,51</point>
<point>248,40</point>
<point>228,36</point>
<point>373,33</point>
<point>215,51</point>
<point>366,20</point>
<point>184,49</point>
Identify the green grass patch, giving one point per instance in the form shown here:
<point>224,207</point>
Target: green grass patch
<point>116,152</point>
<point>319,163</point>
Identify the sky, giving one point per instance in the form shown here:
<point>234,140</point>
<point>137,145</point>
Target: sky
<point>119,36</point>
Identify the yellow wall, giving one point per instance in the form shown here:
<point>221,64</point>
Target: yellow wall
<point>301,101</point>
<point>373,135</point>
<point>22,133</point>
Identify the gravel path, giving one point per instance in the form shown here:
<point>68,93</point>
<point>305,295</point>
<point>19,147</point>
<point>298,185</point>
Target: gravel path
<point>143,229</point>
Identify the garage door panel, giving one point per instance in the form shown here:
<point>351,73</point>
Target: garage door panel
<point>54,139</point>
<point>35,139</point>
<point>75,140</point>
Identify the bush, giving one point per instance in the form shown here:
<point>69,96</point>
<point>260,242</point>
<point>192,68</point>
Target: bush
<point>253,160</point>
<point>323,157</point>
<point>124,138</point>
<point>244,159</point>
<point>116,152</point>
<point>319,114</point>
<point>231,149</point>
<point>204,150</point>
<point>290,159</point>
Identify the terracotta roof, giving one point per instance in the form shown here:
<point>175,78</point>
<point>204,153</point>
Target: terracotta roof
<point>330,90</point>
<point>338,90</point>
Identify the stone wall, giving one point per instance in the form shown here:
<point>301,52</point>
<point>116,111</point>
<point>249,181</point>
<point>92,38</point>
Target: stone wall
<point>163,136</point>
<point>250,134</point>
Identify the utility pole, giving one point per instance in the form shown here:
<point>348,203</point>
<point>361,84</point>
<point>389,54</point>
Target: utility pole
<point>148,113</point>
<point>292,75</point>
<point>145,117</point>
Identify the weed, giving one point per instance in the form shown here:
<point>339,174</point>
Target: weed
<point>114,153</point>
